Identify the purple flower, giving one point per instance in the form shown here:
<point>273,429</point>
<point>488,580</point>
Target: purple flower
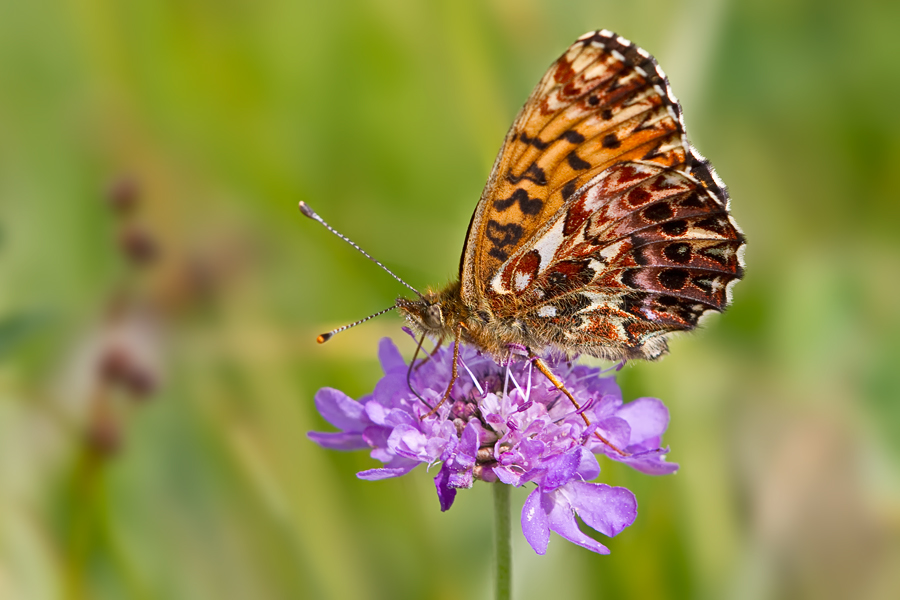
<point>506,423</point>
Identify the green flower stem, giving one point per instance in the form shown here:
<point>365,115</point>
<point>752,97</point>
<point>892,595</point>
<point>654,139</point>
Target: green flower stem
<point>502,543</point>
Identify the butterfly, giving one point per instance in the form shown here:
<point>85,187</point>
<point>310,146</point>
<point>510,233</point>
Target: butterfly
<point>600,231</point>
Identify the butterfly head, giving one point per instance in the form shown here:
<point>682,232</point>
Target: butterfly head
<point>424,315</point>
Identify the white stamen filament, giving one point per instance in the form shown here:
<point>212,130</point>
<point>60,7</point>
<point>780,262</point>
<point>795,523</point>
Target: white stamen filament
<point>515,383</point>
<point>528,389</point>
<point>472,375</point>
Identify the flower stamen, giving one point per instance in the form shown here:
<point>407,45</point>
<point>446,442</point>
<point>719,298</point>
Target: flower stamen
<point>472,375</point>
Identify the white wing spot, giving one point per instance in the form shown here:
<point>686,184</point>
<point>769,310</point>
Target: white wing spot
<point>595,71</point>
<point>549,243</point>
<point>672,180</point>
<point>547,311</point>
<point>593,200</point>
<point>612,251</point>
<point>522,281</point>
<point>582,61</point>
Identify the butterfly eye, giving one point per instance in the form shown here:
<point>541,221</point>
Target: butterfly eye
<point>433,316</point>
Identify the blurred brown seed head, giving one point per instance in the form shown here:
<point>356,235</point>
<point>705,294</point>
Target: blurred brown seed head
<point>140,382</point>
<point>123,195</point>
<point>114,365</point>
<point>138,245</point>
<point>119,367</point>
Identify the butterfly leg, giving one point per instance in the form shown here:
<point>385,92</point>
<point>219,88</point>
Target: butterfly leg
<point>543,368</point>
<point>412,367</point>
<point>431,354</point>
<point>454,375</point>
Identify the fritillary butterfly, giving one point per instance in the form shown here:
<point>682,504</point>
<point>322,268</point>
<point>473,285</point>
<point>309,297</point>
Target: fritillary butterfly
<point>600,230</point>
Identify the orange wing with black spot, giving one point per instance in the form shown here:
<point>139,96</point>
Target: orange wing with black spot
<point>605,101</point>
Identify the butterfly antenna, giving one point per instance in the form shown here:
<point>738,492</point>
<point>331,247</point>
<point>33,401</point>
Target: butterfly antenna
<point>308,212</point>
<point>327,336</point>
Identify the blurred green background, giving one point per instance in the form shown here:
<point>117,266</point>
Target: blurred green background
<point>191,475</point>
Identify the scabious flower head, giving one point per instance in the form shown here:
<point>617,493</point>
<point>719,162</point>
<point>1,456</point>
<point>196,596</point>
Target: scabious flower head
<point>505,423</point>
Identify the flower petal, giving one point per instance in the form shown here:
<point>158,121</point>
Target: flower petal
<point>648,418</point>
<point>461,479</point>
<point>535,525</point>
<point>389,356</point>
<point>508,476</point>
<point>561,469</point>
<point>409,442</point>
<point>468,441</point>
<point>588,467</point>
<point>341,410</point>
<point>338,440</point>
<point>615,430</point>
<point>376,436</point>
<point>609,402</point>
<point>446,494</point>
<point>607,509</point>
<point>387,472</point>
<point>391,389</point>
<point>530,452</point>
<point>562,521</point>
<point>651,463</point>
<point>462,458</point>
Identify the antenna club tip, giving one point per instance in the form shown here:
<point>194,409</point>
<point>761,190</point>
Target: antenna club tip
<point>306,210</point>
<point>324,337</point>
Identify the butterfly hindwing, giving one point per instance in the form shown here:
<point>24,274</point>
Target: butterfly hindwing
<point>640,251</point>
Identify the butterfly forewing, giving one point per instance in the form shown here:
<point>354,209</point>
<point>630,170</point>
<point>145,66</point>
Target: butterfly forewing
<point>604,102</point>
